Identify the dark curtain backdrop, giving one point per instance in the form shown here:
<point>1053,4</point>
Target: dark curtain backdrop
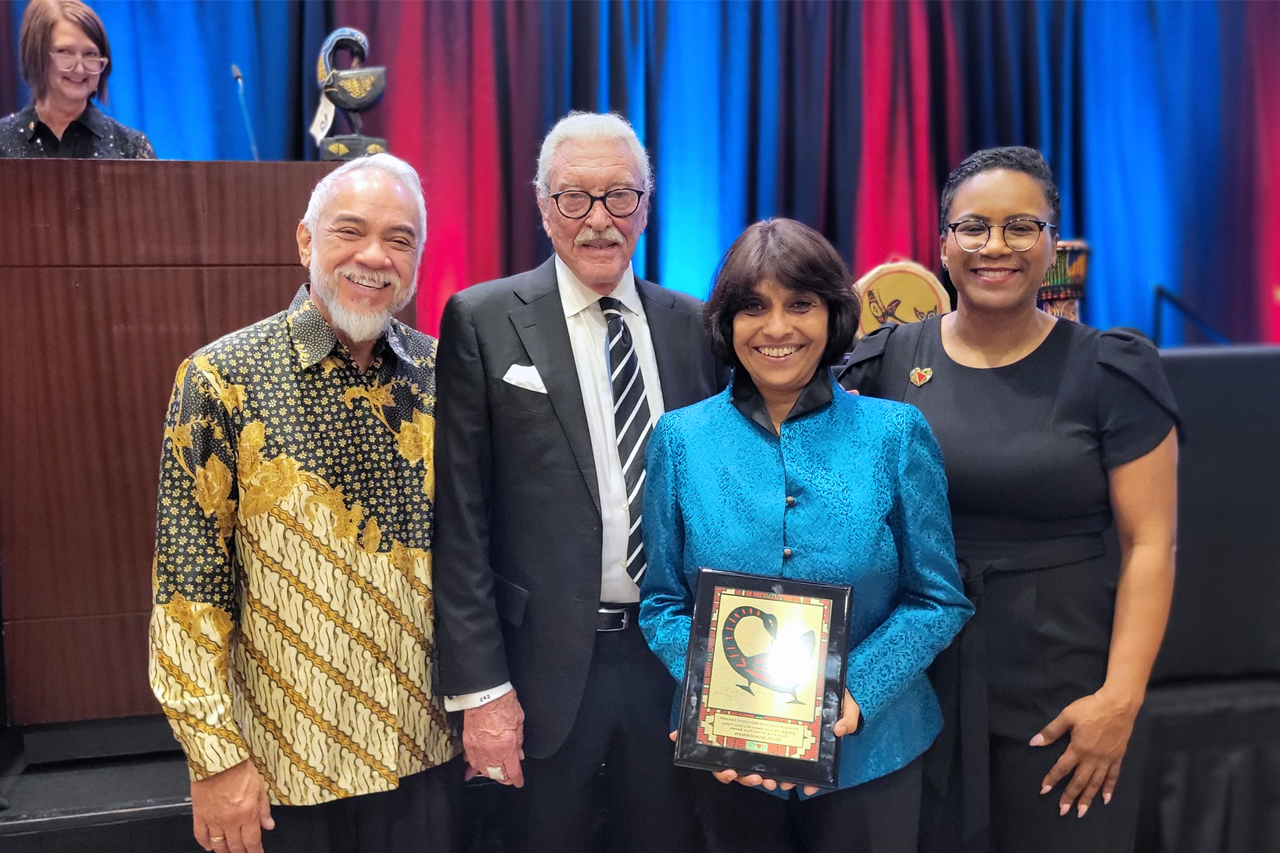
<point>1159,118</point>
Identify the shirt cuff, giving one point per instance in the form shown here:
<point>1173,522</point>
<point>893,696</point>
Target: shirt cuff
<point>467,701</point>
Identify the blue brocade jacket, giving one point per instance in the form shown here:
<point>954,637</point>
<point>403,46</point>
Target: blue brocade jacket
<point>870,510</point>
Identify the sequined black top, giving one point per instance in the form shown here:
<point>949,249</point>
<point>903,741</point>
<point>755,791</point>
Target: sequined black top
<point>92,135</point>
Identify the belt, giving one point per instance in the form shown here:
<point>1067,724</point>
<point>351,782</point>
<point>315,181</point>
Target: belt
<point>961,671</point>
<point>617,617</point>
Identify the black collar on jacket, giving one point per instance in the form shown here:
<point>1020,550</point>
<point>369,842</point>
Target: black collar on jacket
<point>747,400</point>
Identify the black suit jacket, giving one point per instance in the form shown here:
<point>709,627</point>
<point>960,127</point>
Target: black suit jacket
<point>517,534</point>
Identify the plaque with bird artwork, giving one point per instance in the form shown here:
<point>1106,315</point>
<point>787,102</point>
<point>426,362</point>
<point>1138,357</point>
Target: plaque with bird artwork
<point>764,677</point>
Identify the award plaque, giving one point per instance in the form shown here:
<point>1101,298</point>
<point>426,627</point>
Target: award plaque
<point>764,677</point>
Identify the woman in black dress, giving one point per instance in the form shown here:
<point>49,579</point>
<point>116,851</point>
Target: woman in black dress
<point>1050,432</point>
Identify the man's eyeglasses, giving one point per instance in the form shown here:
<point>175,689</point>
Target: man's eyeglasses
<point>576,204</point>
<point>65,59</point>
<point>1019,235</point>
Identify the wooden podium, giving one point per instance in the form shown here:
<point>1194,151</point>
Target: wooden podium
<point>114,271</point>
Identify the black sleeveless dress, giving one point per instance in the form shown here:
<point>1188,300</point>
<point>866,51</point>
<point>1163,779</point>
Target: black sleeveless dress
<point>1027,448</point>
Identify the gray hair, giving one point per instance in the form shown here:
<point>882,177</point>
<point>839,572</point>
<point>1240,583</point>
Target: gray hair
<point>581,125</point>
<point>398,169</point>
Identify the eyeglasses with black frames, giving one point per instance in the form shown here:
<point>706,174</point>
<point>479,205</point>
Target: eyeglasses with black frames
<point>66,59</point>
<point>576,204</point>
<point>1019,234</point>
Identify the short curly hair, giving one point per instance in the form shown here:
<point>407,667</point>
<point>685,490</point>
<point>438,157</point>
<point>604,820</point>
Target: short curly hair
<point>799,259</point>
<point>1014,158</point>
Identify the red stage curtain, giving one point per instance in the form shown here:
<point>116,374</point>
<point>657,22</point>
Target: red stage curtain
<point>897,191</point>
<point>1263,25</point>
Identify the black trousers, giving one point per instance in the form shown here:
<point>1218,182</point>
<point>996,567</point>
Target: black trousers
<point>420,816</point>
<point>1022,819</point>
<point>1038,641</point>
<point>641,801</point>
<point>880,816</point>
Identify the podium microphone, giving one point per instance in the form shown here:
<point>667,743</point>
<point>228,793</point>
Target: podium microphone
<point>244,110</point>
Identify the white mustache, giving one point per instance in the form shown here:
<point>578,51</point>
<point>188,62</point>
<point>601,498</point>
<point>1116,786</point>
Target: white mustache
<point>591,235</point>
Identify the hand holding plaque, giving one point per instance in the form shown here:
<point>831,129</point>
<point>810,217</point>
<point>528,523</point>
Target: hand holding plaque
<point>764,679</point>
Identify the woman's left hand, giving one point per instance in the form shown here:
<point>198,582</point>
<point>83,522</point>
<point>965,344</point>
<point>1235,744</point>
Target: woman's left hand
<point>1100,725</point>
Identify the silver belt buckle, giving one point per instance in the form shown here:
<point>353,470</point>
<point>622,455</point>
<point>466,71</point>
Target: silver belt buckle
<point>626,617</point>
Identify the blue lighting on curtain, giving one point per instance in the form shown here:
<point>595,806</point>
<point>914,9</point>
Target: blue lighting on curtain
<point>603,53</point>
<point>1191,81</point>
<point>982,120</point>
<point>1013,25</point>
<point>16,10</point>
<point>1046,77</point>
<point>735,113</point>
<point>705,135</point>
<point>689,149</point>
<point>142,95</point>
<point>768,83</point>
<point>1057,99</point>
<point>557,71</point>
<point>1129,201</point>
<point>635,42</point>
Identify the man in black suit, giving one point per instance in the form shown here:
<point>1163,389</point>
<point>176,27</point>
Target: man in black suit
<point>547,393</point>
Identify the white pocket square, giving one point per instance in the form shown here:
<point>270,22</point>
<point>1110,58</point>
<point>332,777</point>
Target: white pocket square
<point>525,376</point>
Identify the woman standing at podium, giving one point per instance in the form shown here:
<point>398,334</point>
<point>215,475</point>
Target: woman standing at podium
<point>65,61</point>
<point>1050,432</point>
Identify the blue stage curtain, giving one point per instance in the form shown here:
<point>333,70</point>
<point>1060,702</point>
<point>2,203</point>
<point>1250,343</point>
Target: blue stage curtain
<point>1129,103</point>
<point>1133,234</point>
<point>700,156</point>
<point>1020,66</point>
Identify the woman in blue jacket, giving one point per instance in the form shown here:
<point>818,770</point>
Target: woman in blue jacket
<point>785,474</point>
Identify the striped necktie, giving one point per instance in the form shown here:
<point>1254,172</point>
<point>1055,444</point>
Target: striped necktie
<point>630,421</point>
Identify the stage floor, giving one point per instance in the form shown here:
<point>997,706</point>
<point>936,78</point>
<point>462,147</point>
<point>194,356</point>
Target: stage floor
<point>120,804</point>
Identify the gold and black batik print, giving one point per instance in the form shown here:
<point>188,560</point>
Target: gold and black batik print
<point>292,578</point>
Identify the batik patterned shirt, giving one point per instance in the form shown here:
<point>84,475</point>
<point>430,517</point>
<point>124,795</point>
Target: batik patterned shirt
<point>292,580</point>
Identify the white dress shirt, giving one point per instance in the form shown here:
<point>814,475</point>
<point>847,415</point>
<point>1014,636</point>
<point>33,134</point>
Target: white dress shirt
<point>587,338</point>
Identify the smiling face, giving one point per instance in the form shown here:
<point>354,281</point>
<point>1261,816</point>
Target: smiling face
<point>779,335</point>
<point>364,257</point>
<point>76,85</point>
<point>598,247</point>
<point>995,278</point>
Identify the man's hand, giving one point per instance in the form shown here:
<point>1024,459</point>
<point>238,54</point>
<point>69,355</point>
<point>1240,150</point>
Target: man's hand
<point>230,809</point>
<point>492,736</point>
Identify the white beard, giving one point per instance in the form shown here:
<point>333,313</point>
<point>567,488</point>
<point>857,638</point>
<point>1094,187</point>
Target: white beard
<point>359,327</point>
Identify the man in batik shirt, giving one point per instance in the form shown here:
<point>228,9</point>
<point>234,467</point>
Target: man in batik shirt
<point>292,628</point>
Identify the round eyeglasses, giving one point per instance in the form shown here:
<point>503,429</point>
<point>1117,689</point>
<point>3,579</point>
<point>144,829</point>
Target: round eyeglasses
<point>1019,234</point>
<point>65,59</point>
<point>576,204</point>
